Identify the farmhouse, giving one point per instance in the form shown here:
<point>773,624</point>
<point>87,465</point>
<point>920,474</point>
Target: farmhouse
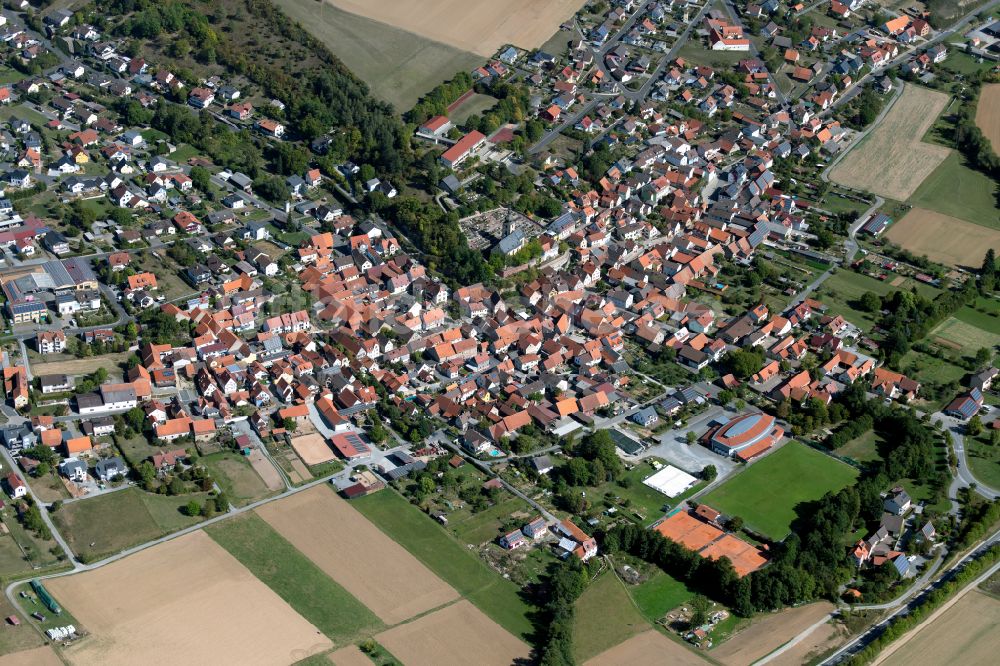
<point>876,224</point>
<point>966,405</point>
<point>462,149</point>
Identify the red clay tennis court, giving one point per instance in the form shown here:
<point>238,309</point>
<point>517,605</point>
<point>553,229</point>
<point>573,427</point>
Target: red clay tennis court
<point>711,542</point>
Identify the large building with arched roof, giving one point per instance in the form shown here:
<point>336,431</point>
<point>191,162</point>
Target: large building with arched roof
<point>746,436</point>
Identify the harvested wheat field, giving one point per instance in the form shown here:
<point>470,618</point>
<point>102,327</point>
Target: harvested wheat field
<point>313,449</point>
<point>650,647</point>
<point>944,239</point>
<point>767,634</point>
<point>368,564</point>
<point>965,633</point>
<point>988,114</point>
<point>892,161</point>
<point>185,601</point>
<point>40,656</point>
<point>479,26</point>
<point>349,656</point>
<point>446,636</point>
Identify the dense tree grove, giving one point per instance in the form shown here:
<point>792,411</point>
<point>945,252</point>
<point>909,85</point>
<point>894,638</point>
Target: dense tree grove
<point>438,235</point>
<point>910,317</point>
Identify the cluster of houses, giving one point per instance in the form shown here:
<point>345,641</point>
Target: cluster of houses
<point>568,538</point>
<point>899,525</point>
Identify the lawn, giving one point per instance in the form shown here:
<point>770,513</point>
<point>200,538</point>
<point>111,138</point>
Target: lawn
<point>475,104</point>
<point>453,562</point>
<point>967,336</point>
<point>478,528</point>
<point>835,203</point>
<point>985,314</point>
<point>23,112</point>
<point>766,493</point>
<point>931,369</point>
<point>605,616</point>
<point>862,449</point>
<point>984,460</point>
<point>168,281</point>
<point>279,565</point>
<point>10,75</point>
<point>21,543</point>
<point>236,477</point>
<point>955,189</point>
<point>15,639</point>
<point>183,153</point>
<point>844,288</point>
<point>107,524</point>
<point>136,449</point>
<point>963,63</point>
<point>12,560</point>
<point>658,595</point>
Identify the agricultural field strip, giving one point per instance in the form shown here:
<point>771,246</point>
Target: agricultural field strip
<point>478,26</point>
<point>189,587</point>
<point>894,150</point>
<point>357,555</point>
<point>942,238</point>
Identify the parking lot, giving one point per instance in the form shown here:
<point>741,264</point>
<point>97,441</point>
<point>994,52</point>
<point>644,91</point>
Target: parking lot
<point>672,445</point>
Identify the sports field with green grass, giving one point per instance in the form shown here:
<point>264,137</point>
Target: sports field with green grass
<point>456,565</point>
<point>766,493</point>
<point>279,565</point>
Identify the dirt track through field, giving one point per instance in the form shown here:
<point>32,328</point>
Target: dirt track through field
<point>185,601</point>
<point>457,635</point>
<point>988,114</point>
<point>268,474</point>
<point>820,640</point>
<point>356,554</point>
<point>944,239</point>
<point>767,634</point>
<point>892,161</point>
<point>479,26</point>
<point>40,656</point>
<point>650,647</point>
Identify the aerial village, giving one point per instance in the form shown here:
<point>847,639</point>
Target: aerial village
<point>654,316</point>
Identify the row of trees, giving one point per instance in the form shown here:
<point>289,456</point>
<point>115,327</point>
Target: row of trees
<point>436,102</point>
<point>566,582</point>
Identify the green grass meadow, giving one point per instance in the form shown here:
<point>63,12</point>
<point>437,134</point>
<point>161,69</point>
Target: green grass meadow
<point>955,189</point>
<point>605,616</point>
